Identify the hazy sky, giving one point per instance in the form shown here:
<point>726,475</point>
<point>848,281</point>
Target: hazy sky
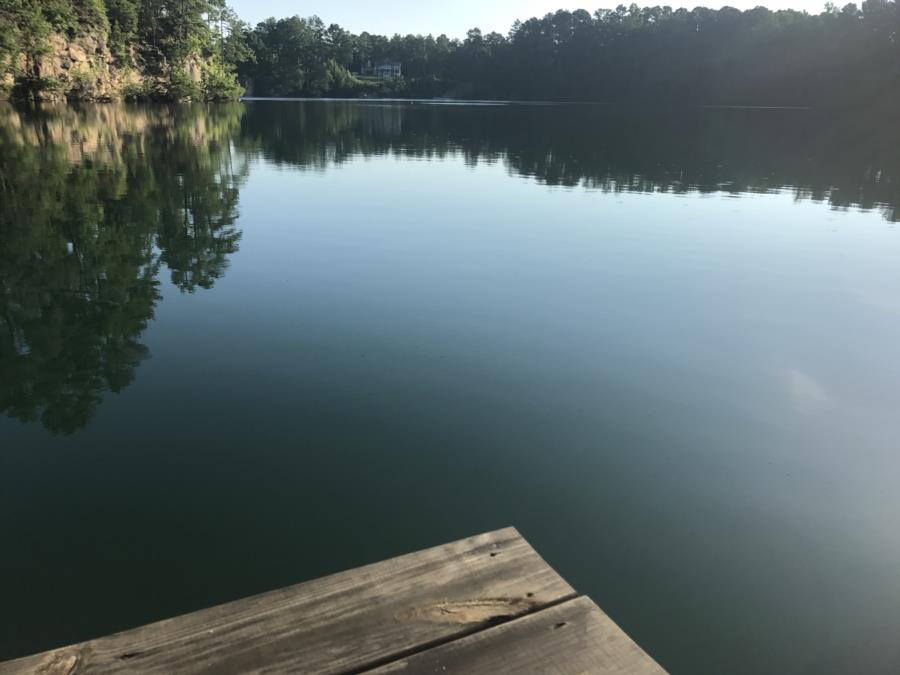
<point>454,17</point>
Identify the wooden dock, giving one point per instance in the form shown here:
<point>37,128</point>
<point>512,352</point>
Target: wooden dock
<point>487,604</point>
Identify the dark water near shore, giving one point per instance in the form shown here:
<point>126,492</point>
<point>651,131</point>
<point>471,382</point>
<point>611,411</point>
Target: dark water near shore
<point>245,346</point>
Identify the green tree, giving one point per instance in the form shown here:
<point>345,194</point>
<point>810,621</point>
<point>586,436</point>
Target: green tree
<point>123,25</point>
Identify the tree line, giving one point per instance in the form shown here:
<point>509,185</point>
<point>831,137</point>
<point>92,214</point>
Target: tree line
<point>630,54</point>
<point>840,56</point>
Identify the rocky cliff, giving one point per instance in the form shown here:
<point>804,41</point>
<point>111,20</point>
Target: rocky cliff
<point>83,68</point>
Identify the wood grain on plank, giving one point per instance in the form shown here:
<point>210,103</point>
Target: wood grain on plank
<point>573,638</point>
<point>345,622</point>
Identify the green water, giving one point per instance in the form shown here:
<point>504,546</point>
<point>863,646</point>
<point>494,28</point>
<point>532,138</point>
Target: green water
<point>249,345</point>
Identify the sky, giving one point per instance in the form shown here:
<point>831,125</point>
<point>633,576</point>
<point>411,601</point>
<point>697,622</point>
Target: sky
<point>455,17</point>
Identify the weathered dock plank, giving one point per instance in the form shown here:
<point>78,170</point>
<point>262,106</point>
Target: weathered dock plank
<point>348,622</point>
<point>573,638</point>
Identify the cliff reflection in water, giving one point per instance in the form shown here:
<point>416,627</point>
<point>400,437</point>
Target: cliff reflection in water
<point>94,202</point>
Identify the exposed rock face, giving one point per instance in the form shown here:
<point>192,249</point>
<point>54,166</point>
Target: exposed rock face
<point>82,68</point>
<point>194,68</point>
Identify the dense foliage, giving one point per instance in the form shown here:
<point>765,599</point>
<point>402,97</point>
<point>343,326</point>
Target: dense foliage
<point>757,57</point>
<point>193,49</point>
<point>177,48</point>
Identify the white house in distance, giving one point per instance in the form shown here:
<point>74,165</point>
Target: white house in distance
<point>383,71</point>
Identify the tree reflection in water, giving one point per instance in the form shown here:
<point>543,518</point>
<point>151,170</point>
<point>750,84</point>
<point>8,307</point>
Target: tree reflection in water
<point>97,200</point>
<point>94,201</point>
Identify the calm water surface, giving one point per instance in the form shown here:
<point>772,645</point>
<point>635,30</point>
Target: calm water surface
<point>245,346</point>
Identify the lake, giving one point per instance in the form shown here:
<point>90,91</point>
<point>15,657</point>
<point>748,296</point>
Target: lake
<point>247,345</point>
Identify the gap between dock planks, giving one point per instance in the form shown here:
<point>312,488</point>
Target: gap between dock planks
<point>486,604</point>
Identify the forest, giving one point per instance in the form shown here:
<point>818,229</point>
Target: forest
<point>630,54</point>
<point>200,49</point>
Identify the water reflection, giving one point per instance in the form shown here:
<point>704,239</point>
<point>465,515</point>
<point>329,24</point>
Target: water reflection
<point>94,202</point>
<point>700,392</point>
<point>97,201</point>
<point>845,161</point>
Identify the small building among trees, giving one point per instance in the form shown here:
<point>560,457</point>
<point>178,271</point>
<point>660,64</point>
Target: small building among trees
<point>383,71</point>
